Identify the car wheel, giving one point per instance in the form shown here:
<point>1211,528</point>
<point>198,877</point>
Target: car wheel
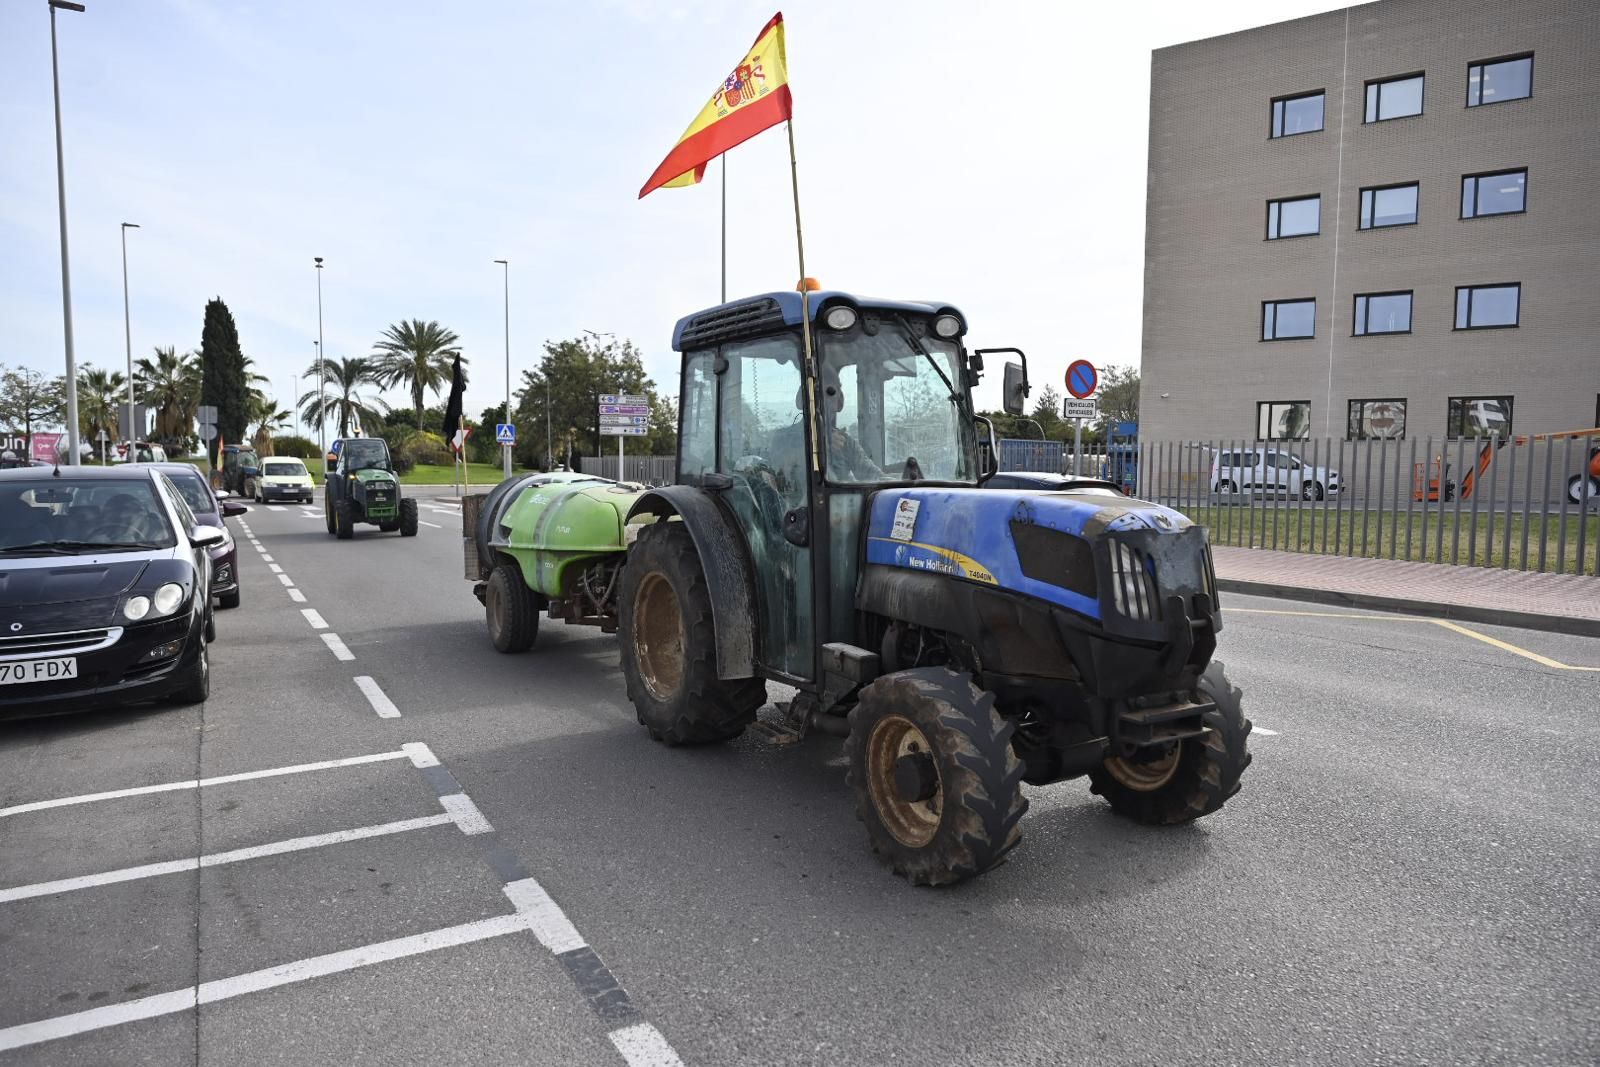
<point>1311,491</point>
<point>196,684</point>
<point>229,601</point>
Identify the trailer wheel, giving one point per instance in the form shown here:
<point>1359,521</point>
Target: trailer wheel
<point>934,776</point>
<point>1194,777</point>
<point>511,610</point>
<point>669,649</point>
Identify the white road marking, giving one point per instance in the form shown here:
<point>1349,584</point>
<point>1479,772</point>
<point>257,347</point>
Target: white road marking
<point>274,507</point>
<point>544,916</point>
<point>297,596</point>
<point>264,557</point>
<point>200,783</point>
<point>419,754</point>
<point>274,568</point>
<point>377,698</point>
<point>284,578</point>
<point>311,514</point>
<point>337,647</point>
<point>255,981</point>
<point>642,1045</point>
<point>314,617</point>
<point>425,522</point>
<point>445,511</point>
<point>217,859</point>
<point>1263,731</point>
<point>466,814</point>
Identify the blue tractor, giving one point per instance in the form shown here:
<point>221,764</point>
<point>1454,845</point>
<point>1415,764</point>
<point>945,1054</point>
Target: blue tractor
<point>830,531</point>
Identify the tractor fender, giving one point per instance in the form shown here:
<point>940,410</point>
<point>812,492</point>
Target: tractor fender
<point>725,560</point>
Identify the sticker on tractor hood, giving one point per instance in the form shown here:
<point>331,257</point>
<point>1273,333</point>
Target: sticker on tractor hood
<point>905,519</point>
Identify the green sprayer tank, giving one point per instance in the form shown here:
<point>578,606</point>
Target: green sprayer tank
<point>557,533</point>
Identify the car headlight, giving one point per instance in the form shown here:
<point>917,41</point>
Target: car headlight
<point>136,608</point>
<point>167,598</point>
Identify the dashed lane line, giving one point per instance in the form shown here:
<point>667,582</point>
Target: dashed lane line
<point>466,814</point>
<point>338,648</point>
<point>284,578</point>
<point>297,596</point>
<point>314,617</point>
<point>404,752</point>
<point>377,698</point>
<point>642,1045</point>
<point>274,568</point>
<point>425,522</point>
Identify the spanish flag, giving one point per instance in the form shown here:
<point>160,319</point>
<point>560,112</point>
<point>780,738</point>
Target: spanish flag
<point>753,97</point>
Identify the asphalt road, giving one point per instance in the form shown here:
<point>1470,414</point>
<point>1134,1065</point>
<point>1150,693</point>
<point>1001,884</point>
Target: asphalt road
<point>1407,877</point>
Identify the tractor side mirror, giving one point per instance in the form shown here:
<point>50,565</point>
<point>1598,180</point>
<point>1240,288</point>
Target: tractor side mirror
<point>1015,389</point>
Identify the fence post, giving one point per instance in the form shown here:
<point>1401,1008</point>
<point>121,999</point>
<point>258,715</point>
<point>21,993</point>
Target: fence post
<point>1383,476</point>
<point>1411,497</point>
<point>1527,504</point>
<point>1511,488</point>
<point>1584,500</point>
<point>1544,505</point>
<point>1561,536</point>
<point>1455,518</point>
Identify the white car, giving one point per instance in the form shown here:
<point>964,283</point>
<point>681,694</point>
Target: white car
<point>281,478</point>
<point>1271,470</point>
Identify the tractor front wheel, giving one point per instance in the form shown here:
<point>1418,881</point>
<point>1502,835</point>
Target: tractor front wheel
<point>511,610</point>
<point>408,518</point>
<point>328,511</point>
<point>669,648</point>
<point>934,776</point>
<point>1193,777</point>
<point>344,520</point>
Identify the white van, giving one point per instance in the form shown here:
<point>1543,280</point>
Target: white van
<point>1273,471</point>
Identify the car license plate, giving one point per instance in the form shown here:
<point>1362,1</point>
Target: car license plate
<point>38,670</point>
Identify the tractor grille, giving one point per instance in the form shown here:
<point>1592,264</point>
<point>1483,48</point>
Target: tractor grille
<point>732,322</point>
<point>1055,557</point>
<point>1133,583</point>
<point>72,642</point>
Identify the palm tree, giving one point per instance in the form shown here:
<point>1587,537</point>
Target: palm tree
<point>98,394</point>
<point>340,400</point>
<point>171,383</point>
<point>415,354</point>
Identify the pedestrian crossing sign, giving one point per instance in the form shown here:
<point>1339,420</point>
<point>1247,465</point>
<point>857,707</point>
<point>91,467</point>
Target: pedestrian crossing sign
<point>505,433</point>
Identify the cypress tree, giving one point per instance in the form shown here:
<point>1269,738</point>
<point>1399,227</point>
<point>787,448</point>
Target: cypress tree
<point>222,381</point>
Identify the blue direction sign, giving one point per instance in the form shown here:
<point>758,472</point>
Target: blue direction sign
<point>1082,378</point>
<point>505,433</point>
<point>624,409</point>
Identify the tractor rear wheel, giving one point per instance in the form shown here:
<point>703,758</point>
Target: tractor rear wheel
<point>408,518</point>
<point>1194,777</point>
<point>511,610</point>
<point>344,520</point>
<point>669,647</point>
<point>934,776</point>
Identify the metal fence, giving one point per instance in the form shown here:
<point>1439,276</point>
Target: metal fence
<point>1524,503</point>
<point>647,470</point>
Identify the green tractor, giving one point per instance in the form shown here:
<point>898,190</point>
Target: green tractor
<point>830,531</point>
<point>363,487</point>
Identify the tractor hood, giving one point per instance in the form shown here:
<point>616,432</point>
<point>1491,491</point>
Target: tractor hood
<point>368,475</point>
<point>1093,554</point>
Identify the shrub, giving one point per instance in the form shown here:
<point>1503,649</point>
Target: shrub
<point>424,447</point>
<point>295,447</point>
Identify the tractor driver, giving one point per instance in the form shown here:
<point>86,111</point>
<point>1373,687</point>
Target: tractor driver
<point>847,460</point>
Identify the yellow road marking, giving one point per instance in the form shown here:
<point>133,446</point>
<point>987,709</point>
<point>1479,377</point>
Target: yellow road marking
<point>1504,646</point>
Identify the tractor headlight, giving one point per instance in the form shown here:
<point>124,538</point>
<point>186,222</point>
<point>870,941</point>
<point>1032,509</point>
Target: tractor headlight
<point>946,325</point>
<point>840,318</point>
<point>136,608</point>
<point>167,598</point>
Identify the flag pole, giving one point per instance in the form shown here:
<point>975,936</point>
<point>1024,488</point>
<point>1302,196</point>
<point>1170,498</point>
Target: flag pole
<point>725,227</point>
<point>805,302</point>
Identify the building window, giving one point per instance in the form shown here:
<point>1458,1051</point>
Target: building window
<point>1299,217</point>
<point>1283,420</point>
<point>1388,205</point>
<point>1488,307</point>
<point>1377,420</point>
<point>1283,320</point>
<point>1479,416</point>
<point>1494,81</point>
<point>1383,313</point>
<point>1394,98</point>
<point>1297,114</point>
<point>1501,192</point>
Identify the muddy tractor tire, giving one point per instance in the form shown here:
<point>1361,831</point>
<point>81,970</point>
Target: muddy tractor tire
<point>511,610</point>
<point>1195,777</point>
<point>408,518</point>
<point>669,648</point>
<point>935,779</point>
<point>344,520</point>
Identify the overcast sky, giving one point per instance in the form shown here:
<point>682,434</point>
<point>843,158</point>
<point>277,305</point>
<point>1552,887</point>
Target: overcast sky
<point>989,155</point>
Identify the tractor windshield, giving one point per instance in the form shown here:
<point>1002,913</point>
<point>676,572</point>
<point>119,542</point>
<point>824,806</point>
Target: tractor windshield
<point>365,455</point>
<point>887,405</point>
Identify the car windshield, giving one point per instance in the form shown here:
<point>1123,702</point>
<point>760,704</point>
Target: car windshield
<point>362,455</point>
<point>284,468</point>
<point>887,407</point>
<point>81,516</point>
<point>193,489</point>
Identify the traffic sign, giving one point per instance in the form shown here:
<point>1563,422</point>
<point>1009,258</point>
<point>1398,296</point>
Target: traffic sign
<point>206,415</point>
<point>208,430</point>
<point>1073,408</point>
<point>624,409</point>
<point>624,420</point>
<point>1082,378</point>
<point>624,431</point>
<point>624,398</point>
<point>505,433</point>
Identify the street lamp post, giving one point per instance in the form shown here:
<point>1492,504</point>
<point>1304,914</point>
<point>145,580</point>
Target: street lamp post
<point>66,274</point>
<point>506,449</point>
<point>127,329</point>
<point>322,379</point>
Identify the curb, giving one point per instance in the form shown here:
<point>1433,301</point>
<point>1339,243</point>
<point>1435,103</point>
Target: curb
<point>1564,624</point>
